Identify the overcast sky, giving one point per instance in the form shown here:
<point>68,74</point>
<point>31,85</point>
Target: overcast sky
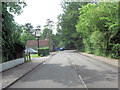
<point>37,11</point>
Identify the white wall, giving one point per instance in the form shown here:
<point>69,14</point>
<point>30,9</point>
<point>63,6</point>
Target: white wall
<point>10,64</point>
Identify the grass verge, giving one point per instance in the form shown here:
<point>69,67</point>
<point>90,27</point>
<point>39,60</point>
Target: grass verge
<point>35,55</point>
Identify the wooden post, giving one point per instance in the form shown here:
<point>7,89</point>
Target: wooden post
<point>24,57</point>
<point>29,57</point>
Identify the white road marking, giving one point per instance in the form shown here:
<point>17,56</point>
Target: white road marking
<point>77,72</point>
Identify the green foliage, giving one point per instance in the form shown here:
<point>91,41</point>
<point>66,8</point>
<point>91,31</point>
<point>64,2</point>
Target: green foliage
<point>98,25</point>
<point>28,28</point>
<point>11,32</point>
<point>93,28</point>
<point>28,32</point>
<point>15,7</point>
<point>115,52</point>
<point>55,39</point>
<point>43,51</point>
<point>46,32</point>
<point>66,26</point>
<point>49,24</point>
<point>26,36</point>
<point>61,44</point>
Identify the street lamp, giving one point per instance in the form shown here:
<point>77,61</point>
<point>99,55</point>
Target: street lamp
<point>37,34</point>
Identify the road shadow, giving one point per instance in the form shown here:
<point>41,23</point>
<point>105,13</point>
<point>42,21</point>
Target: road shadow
<point>65,75</point>
<point>95,76</point>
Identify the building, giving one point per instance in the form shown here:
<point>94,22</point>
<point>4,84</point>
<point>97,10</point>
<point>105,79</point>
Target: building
<point>43,42</point>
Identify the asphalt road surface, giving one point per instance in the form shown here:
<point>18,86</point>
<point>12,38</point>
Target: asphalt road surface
<point>70,69</point>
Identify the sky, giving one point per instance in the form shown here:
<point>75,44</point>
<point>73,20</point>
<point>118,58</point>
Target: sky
<point>38,11</point>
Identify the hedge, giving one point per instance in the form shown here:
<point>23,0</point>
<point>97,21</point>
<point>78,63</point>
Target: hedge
<point>43,51</point>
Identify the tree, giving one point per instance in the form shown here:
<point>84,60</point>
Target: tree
<point>26,36</point>
<point>66,24</point>
<point>29,28</point>
<point>90,27</point>
<point>49,24</point>
<point>98,25</point>
<point>47,31</point>
<point>38,26</point>
<point>28,33</point>
<point>11,31</point>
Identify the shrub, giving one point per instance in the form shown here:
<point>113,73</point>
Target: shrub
<point>43,51</point>
<point>98,26</point>
<point>115,52</point>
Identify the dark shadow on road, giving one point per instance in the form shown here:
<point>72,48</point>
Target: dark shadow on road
<point>64,75</point>
<point>92,75</point>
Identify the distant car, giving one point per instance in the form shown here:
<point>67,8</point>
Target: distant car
<point>62,49</point>
<point>57,48</point>
<point>32,51</point>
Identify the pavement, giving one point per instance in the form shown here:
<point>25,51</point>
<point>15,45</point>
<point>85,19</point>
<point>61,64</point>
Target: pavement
<point>114,62</point>
<point>70,69</point>
<point>66,69</point>
<point>12,75</point>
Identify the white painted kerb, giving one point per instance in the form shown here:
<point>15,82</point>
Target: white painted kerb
<point>10,64</point>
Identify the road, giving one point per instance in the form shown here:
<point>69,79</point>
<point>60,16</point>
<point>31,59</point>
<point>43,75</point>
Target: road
<point>70,69</point>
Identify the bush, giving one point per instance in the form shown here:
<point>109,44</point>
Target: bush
<point>43,51</point>
<point>16,51</point>
<point>115,52</point>
<point>99,28</point>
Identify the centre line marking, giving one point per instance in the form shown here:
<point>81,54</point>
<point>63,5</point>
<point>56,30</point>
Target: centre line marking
<point>77,72</point>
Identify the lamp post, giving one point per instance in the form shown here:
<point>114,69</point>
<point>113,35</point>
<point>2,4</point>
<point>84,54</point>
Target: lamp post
<point>37,34</point>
